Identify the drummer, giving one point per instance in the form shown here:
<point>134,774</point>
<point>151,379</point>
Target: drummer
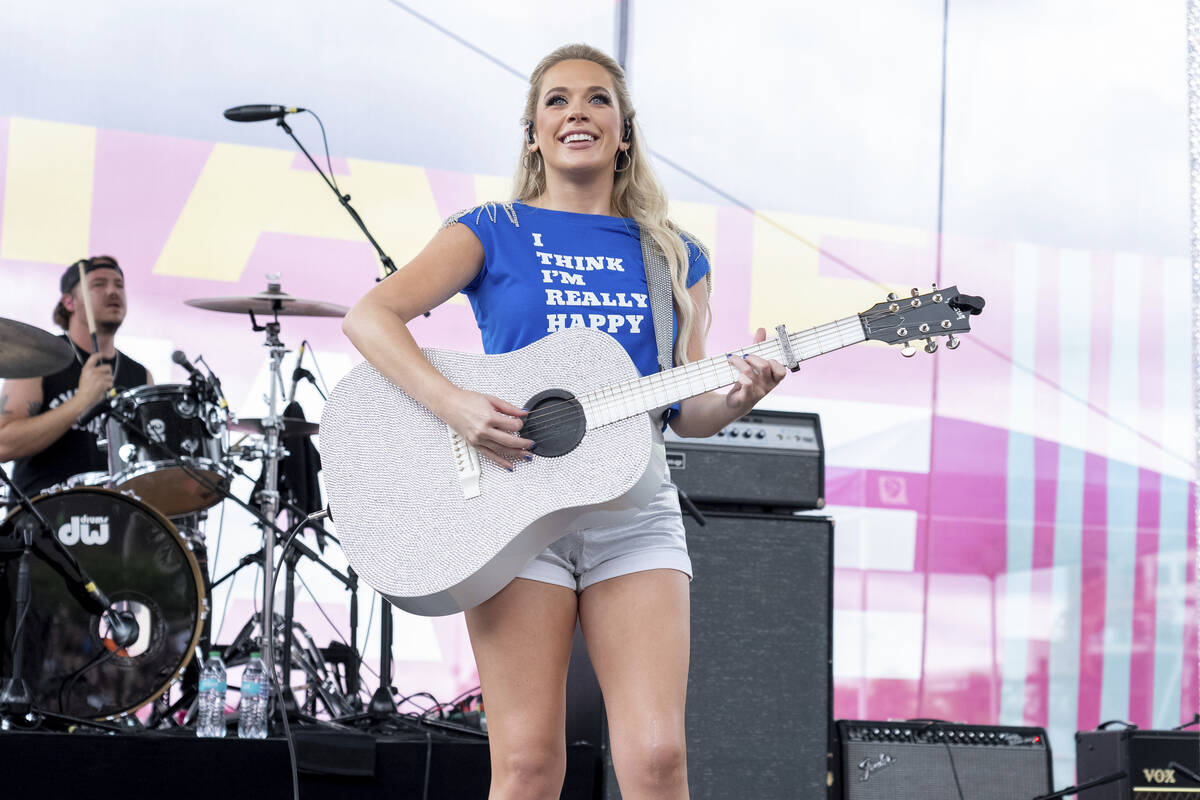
<point>38,416</point>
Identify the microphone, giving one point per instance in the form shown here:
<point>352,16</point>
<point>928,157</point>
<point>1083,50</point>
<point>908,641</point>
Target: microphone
<point>182,360</point>
<point>122,624</point>
<point>258,113</point>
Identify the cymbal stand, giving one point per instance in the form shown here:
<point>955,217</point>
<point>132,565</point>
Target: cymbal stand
<point>268,498</point>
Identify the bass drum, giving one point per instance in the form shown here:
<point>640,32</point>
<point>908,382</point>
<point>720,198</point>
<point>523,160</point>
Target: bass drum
<point>139,559</point>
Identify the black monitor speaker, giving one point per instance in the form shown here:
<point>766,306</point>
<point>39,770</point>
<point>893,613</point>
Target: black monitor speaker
<point>760,684</point>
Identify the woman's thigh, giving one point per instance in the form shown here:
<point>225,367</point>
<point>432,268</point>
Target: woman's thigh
<point>521,638</point>
<point>637,628</point>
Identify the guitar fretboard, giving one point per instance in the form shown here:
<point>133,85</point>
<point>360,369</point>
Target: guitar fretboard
<point>643,395</point>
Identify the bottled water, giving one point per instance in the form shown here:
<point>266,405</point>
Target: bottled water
<point>210,720</point>
<point>256,693</point>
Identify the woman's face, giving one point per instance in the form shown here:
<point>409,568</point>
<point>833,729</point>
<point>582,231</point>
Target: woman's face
<point>577,126</point>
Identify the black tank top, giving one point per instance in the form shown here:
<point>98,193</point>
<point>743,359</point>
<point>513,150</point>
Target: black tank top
<point>75,451</point>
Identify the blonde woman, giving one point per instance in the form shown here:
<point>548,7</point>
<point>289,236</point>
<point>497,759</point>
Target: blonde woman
<point>566,252</point>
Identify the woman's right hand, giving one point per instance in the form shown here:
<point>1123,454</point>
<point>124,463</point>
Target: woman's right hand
<point>488,424</point>
<point>95,379</point>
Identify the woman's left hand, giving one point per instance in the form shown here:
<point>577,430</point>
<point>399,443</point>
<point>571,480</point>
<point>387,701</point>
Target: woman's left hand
<point>758,376</point>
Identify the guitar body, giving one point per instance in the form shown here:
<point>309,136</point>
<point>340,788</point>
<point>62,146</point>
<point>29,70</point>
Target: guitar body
<point>398,488</point>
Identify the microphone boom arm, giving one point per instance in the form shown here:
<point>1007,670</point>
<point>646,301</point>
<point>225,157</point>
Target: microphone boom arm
<point>389,267</point>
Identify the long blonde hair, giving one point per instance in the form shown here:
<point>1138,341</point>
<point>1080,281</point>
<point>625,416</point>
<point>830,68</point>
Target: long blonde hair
<point>636,191</point>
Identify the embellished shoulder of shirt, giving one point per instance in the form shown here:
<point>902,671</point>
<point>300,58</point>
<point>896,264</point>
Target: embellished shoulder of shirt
<point>491,211</point>
<point>692,241</point>
<point>689,238</point>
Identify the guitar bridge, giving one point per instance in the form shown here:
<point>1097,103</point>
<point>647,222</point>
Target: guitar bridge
<point>466,464</point>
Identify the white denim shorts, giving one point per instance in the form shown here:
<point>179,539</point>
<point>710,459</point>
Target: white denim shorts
<point>652,539</point>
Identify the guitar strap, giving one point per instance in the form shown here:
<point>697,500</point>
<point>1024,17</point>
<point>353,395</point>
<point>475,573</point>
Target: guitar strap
<point>662,300</point>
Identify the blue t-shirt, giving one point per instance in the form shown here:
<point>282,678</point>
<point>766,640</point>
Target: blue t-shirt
<point>552,270</point>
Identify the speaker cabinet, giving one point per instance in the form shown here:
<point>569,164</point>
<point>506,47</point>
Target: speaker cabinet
<point>760,683</point>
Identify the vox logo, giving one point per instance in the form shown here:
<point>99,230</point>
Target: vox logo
<point>1159,775</point>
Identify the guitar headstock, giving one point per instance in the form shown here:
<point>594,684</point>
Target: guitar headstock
<point>938,312</point>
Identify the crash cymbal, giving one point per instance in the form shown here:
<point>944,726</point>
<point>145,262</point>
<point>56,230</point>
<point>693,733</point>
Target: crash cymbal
<point>29,352</point>
<point>292,426</point>
<point>271,302</point>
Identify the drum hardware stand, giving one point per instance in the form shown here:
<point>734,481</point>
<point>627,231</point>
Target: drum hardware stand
<point>382,708</point>
<point>268,498</point>
<point>16,699</point>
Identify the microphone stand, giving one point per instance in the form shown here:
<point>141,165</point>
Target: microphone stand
<point>389,266</point>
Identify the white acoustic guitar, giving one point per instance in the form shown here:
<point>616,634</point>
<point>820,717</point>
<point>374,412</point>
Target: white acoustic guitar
<point>436,529</point>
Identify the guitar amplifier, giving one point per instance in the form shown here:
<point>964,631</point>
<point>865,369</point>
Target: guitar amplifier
<point>938,761</point>
<point>1156,764</point>
<point>765,461</point>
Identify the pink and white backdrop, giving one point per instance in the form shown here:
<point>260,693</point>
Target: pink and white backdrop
<point>1013,518</point>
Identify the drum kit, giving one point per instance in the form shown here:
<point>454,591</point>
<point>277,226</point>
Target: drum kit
<point>134,535</point>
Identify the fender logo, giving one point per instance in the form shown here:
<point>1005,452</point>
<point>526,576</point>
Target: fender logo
<point>1159,775</point>
<point>868,766</point>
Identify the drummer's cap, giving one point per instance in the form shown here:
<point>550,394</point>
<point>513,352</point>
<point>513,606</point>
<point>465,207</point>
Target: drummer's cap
<point>70,278</point>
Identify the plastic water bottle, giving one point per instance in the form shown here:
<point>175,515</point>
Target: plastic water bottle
<point>210,720</point>
<point>252,707</point>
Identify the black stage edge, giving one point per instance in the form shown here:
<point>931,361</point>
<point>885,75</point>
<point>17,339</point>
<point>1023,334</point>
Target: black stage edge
<point>154,765</point>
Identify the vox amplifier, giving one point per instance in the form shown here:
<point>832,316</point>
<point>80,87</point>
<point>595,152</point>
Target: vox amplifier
<point>770,461</point>
<point>938,761</point>
<point>1158,765</point>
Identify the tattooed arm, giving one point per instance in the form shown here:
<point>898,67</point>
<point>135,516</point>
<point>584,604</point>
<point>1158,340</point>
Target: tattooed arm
<point>24,428</point>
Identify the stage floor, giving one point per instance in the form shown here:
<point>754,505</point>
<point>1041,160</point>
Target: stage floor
<point>177,765</point>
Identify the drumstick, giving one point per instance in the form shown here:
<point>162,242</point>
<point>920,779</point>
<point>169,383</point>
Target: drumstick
<point>91,319</point>
<point>87,307</point>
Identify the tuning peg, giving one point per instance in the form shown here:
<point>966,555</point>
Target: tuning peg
<point>908,351</point>
<point>893,296</point>
<point>930,346</point>
<point>915,292</point>
<point>935,284</point>
<point>952,343</point>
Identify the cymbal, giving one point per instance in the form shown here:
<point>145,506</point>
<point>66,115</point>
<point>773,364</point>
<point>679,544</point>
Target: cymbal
<point>30,352</point>
<point>270,302</point>
<point>292,426</point>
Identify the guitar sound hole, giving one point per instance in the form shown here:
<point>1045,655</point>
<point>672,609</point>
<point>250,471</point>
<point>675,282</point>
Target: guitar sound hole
<point>555,422</point>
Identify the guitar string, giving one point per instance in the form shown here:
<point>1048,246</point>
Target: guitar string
<point>642,392</point>
<point>635,394</point>
<point>713,372</point>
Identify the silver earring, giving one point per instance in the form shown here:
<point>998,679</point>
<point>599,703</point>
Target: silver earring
<point>628,161</point>
<point>532,160</point>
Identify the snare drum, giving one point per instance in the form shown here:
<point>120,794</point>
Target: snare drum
<point>177,421</point>
<point>146,568</point>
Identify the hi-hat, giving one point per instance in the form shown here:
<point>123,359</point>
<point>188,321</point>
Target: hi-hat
<point>29,352</point>
<point>271,302</point>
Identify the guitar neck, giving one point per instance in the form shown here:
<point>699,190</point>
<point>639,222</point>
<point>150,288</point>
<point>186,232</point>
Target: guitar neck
<point>644,395</point>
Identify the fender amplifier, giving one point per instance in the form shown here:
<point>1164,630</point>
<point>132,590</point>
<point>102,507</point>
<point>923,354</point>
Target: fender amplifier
<point>770,461</point>
<point>1156,764</point>
<point>939,761</point>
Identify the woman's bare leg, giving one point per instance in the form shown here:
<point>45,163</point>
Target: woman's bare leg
<point>522,643</point>
<point>637,629</point>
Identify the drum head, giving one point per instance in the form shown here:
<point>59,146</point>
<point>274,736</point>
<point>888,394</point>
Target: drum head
<point>136,557</point>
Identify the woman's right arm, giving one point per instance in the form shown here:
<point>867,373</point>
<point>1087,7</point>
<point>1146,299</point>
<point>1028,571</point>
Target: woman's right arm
<point>378,326</point>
